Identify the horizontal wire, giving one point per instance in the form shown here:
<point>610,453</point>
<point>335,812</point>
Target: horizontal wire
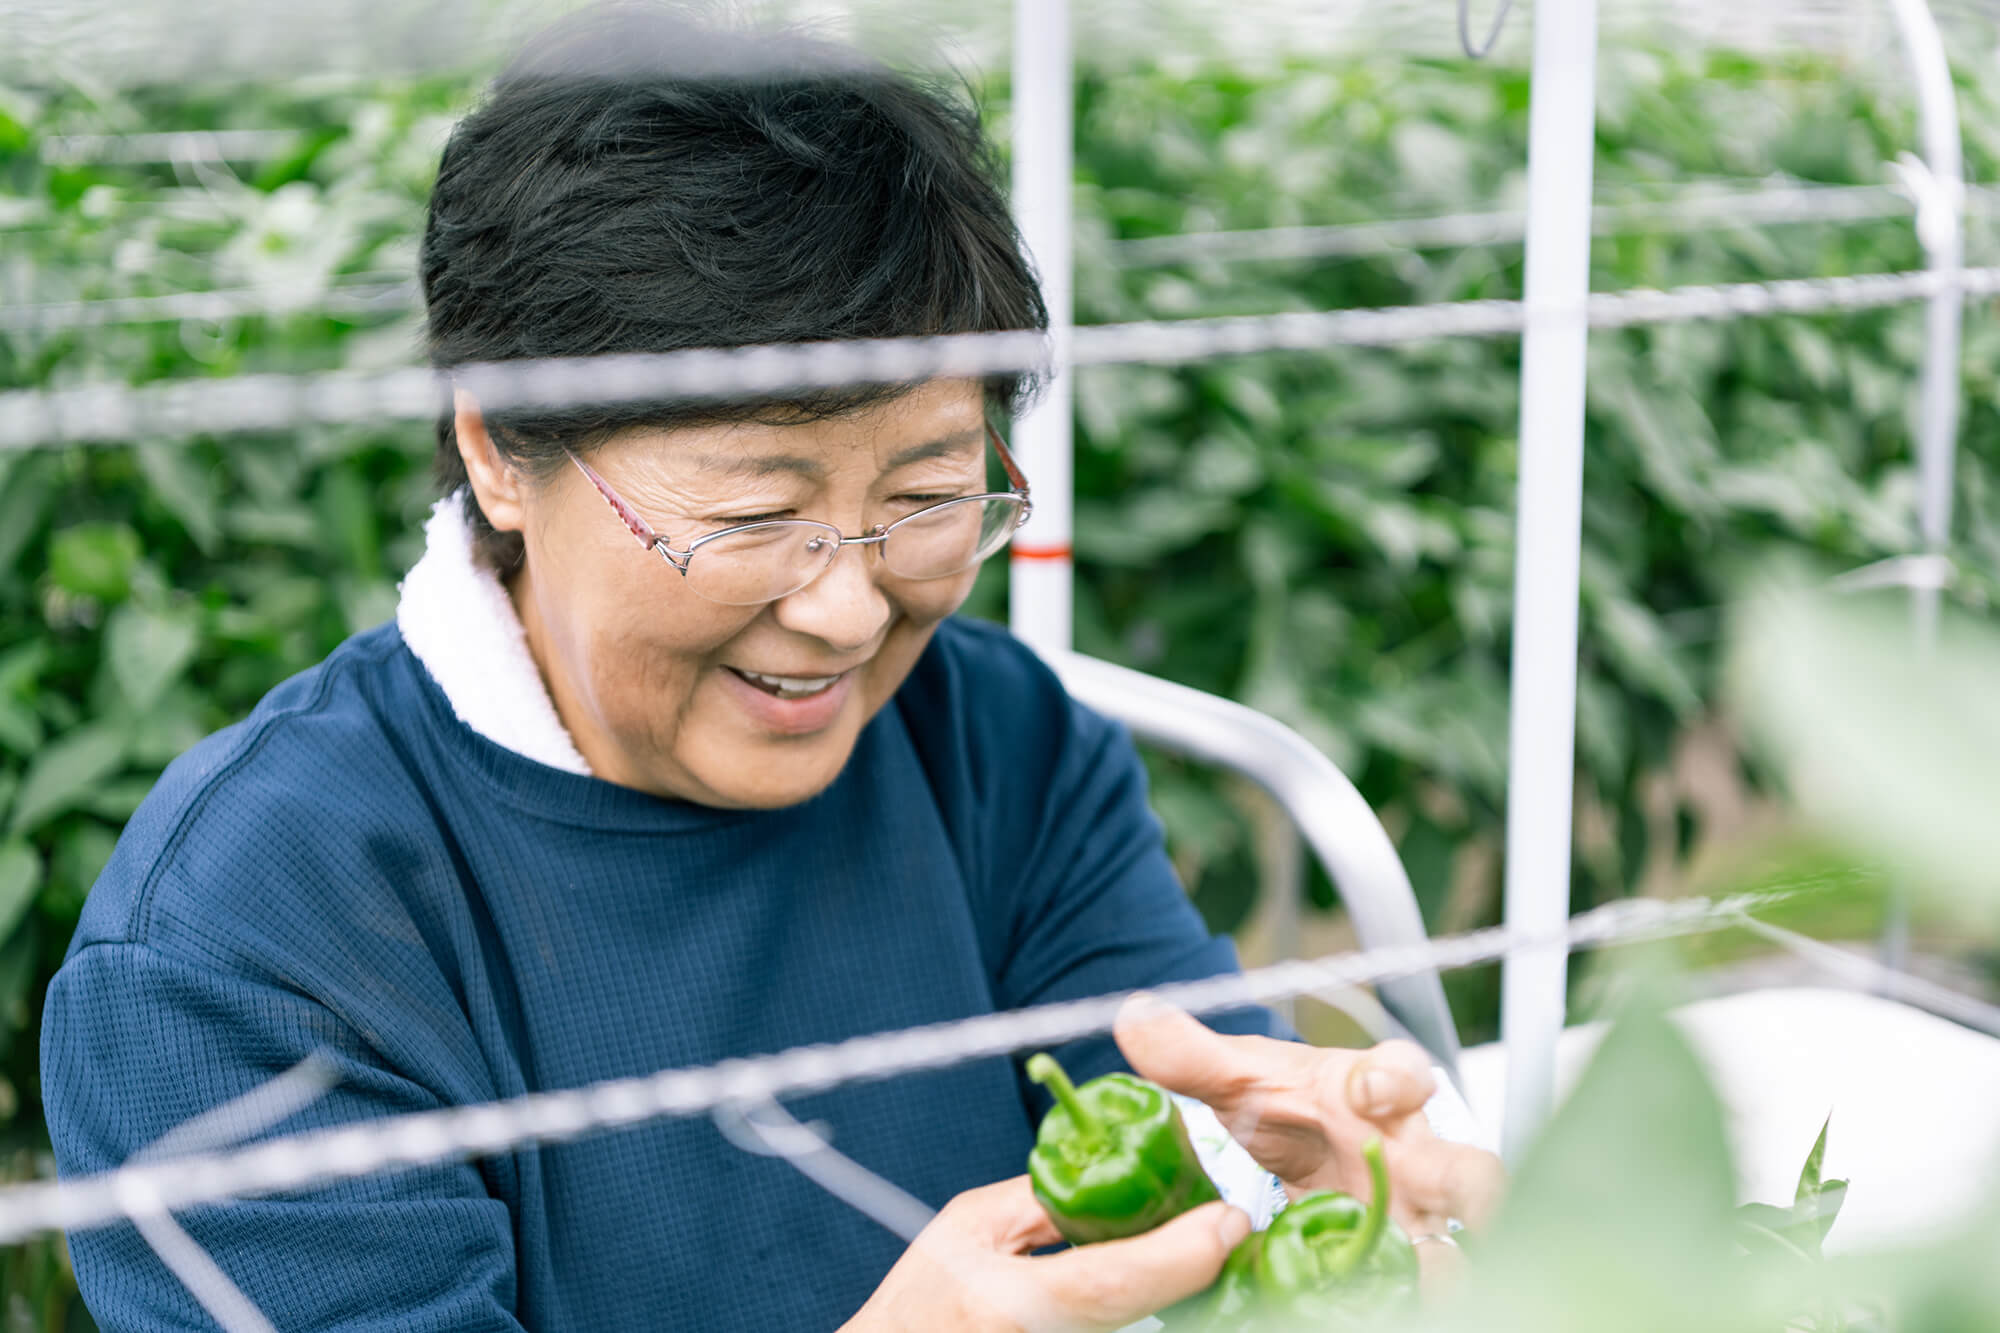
<point>69,150</point>
<point>1873,974</point>
<point>367,295</point>
<point>370,293</point>
<point>101,412</point>
<point>1762,206</point>
<point>344,1152</point>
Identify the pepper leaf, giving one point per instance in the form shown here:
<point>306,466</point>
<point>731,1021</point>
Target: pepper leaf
<point>20,876</point>
<point>1809,1177</point>
<point>65,773</point>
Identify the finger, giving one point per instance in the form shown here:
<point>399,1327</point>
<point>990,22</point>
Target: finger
<point>1445,1179</point>
<point>1390,1082</point>
<point>1120,1281</point>
<point>1004,1216</point>
<point>1174,1050</point>
<point>1440,1263</point>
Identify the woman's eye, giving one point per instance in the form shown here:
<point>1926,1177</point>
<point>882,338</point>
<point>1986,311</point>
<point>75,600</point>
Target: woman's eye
<point>927,498</point>
<point>738,520</point>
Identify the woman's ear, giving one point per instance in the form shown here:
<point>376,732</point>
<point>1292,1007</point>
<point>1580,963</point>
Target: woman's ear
<point>495,483</point>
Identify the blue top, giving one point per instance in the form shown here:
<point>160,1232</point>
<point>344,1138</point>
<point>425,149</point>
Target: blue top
<point>354,871</point>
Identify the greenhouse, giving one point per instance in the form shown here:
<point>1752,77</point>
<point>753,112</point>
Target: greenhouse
<point>1407,742</point>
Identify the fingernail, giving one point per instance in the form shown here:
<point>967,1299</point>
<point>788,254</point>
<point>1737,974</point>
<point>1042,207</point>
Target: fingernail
<point>1233,1227</point>
<point>1378,1092</point>
<point>1142,1005</point>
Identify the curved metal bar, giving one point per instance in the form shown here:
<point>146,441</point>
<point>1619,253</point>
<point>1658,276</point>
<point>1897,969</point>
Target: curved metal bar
<point>1335,821</point>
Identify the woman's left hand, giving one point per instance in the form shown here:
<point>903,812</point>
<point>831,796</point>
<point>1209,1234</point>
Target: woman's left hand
<point>1304,1112</point>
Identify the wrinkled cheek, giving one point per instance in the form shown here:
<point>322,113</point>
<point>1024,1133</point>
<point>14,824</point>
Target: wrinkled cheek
<point>928,602</point>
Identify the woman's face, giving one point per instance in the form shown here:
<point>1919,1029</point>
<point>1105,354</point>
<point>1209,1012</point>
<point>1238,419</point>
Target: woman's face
<point>654,682</point>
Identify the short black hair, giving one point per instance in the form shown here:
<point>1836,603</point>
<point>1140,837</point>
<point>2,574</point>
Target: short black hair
<point>639,182</point>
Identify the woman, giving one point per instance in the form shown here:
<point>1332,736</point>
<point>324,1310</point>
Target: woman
<point>595,806</point>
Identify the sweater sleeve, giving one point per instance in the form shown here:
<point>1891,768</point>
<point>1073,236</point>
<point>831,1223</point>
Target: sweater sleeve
<point>135,1041</point>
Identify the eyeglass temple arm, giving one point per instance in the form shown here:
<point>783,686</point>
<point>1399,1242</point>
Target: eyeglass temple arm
<point>1014,477</point>
<point>640,528</point>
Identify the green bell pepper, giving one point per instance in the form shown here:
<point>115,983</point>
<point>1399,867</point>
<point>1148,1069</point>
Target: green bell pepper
<point>1112,1158</point>
<point>1327,1260</point>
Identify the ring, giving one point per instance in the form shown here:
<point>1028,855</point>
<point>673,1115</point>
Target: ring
<point>1436,1238</point>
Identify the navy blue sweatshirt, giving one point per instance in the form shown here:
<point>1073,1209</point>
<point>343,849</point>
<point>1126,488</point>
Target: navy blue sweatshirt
<point>354,871</point>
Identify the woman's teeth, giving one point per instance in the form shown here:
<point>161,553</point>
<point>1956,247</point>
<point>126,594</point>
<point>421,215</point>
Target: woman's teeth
<point>787,687</point>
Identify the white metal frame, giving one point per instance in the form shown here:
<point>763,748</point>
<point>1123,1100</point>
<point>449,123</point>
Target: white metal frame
<point>1044,144</point>
<point>1543,687</point>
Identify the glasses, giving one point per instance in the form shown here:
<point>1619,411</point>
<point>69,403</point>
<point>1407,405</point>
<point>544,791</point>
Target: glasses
<point>752,563</point>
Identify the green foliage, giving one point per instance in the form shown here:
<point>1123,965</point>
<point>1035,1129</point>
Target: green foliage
<point>1328,537</point>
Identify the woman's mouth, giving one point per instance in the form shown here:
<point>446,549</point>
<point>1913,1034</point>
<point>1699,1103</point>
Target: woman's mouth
<point>789,687</point>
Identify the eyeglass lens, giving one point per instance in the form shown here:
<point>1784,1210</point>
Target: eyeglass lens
<point>770,560</point>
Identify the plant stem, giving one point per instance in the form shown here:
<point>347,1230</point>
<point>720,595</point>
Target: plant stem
<point>1373,1223</point>
<point>1043,1069</point>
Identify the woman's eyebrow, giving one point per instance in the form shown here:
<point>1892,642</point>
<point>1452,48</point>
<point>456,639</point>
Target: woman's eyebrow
<point>761,465</point>
<point>960,443</point>
<point>765,465</point>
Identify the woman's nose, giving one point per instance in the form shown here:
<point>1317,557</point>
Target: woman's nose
<point>845,608</point>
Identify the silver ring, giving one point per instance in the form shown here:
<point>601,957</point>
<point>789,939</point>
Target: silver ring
<point>1436,1238</point>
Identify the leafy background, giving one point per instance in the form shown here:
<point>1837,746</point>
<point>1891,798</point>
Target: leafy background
<point>1328,537</point>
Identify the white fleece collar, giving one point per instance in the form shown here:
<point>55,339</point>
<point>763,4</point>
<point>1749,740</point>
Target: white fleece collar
<point>461,624</point>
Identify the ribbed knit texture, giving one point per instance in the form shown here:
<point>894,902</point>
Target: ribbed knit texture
<point>352,870</point>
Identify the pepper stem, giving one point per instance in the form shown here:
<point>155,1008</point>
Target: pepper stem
<point>1374,1222</point>
<point>1043,1069</point>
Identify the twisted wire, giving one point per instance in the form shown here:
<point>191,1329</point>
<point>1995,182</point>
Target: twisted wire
<point>103,412</point>
<point>150,1188</point>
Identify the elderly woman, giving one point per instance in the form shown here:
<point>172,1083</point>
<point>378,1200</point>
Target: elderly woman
<point>675,753</point>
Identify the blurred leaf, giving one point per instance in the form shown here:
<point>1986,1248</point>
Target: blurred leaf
<point>25,490</point>
<point>147,651</point>
<point>20,876</point>
<point>64,773</point>
<point>94,560</point>
<point>17,979</point>
<point>1809,1173</point>
<point>82,850</point>
<point>117,799</point>
<point>1890,747</point>
<point>1618,1216</point>
<point>185,486</point>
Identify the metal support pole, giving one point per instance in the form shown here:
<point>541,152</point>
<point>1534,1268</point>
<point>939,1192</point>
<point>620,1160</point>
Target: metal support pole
<point>1939,188</point>
<point>1044,134</point>
<point>1542,718</point>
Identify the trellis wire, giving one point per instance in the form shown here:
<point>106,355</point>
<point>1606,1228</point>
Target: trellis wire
<point>364,296</point>
<point>1767,206</point>
<point>37,417</point>
<point>70,150</point>
<point>323,1156</point>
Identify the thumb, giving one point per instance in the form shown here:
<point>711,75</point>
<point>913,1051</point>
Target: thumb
<point>1180,1053</point>
<point>1120,1281</point>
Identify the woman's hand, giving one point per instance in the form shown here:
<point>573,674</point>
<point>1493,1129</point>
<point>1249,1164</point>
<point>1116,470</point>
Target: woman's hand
<point>971,1269</point>
<point>1304,1113</point>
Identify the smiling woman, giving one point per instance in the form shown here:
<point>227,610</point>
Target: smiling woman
<point>676,752</point>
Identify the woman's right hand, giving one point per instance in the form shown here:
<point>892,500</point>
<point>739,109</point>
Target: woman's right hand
<point>972,1269</point>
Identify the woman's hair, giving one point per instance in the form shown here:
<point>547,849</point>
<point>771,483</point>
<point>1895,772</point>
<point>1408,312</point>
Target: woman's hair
<point>635,182</point>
